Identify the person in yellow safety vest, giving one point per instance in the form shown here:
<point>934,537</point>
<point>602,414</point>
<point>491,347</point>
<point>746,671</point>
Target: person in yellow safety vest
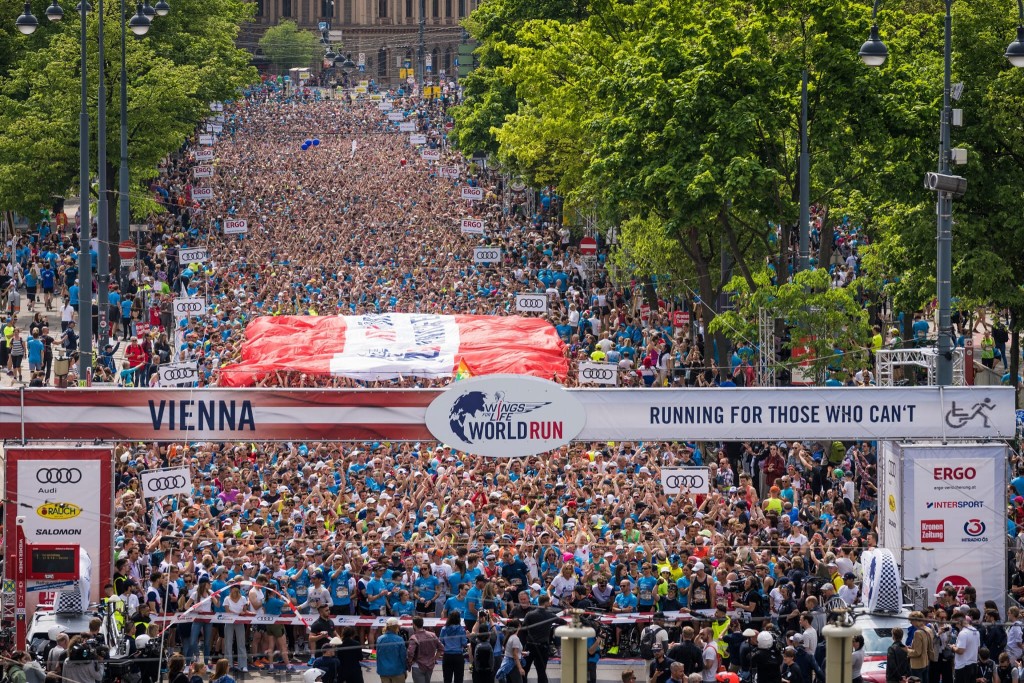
<point>988,351</point>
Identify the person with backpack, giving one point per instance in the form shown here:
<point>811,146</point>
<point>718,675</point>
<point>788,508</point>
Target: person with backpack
<point>424,650</point>
<point>511,669</point>
<point>484,639</point>
<point>653,634</point>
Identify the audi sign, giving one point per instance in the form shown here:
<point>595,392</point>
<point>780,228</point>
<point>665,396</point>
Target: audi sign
<point>396,116</point>
<point>599,373</point>
<point>202,171</point>
<point>204,155</point>
<point>417,139</point>
<point>486,254</point>
<point>431,155</point>
<point>472,194</point>
<point>188,307</point>
<point>192,255</point>
<point>178,374</point>
<point>693,480</point>
<point>236,226</point>
<point>206,139</point>
<point>407,127</point>
<point>59,475</point>
<point>385,106</point>
<point>169,482</point>
<point>217,127</point>
<point>202,193</point>
<point>472,226</point>
<point>532,303</point>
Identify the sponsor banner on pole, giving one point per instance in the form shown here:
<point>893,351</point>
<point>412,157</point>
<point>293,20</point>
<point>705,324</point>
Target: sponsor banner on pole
<point>236,226</point>
<point>203,171</point>
<point>417,139</point>
<point>890,498</point>
<point>192,255</point>
<point>188,307</point>
<point>217,127</point>
<point>599,373</point>
<point>472,226</point>
<point>505,416</point>
<point>178,374</point>
<point>202,193</point>
<point>167,482</point>
<point>204,154</point>
<point>693,480</point>
<point>472,194</point>
<point>431,155</point>
<point>448,172</point>
<point>206,139</point>
<point>396,116</point>
<point>407,127</point>
<point>385,106</point>
<point>954,514</point>
<point>63,496</point>
<point>486,254</point>
<point>532,303</point>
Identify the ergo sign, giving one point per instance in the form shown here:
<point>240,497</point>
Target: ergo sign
<point>235,226</point>
<point>473,194</point>
<point>202,193</point>
<point>472,226</point>
<point>954,473</point>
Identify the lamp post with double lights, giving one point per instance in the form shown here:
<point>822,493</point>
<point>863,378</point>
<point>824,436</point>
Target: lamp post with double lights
<point>139,25</point>
<point>946,186</point>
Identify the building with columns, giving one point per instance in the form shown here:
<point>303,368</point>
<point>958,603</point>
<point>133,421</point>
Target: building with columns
<point>385,32</point>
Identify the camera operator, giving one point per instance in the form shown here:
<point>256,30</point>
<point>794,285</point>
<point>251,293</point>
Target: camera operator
<point>147,658</point>
<point>84,663</point>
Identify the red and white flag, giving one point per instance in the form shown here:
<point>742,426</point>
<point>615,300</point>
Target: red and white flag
<point>392,345</point>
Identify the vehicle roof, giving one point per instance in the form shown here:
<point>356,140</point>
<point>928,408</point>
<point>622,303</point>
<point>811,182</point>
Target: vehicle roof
<point>73,623</point>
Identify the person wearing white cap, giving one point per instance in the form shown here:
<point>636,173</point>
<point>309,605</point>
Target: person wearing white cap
<point>701,593</point>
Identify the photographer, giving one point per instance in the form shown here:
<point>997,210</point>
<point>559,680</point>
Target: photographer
<point>84,663</point>
<point>147,658</point>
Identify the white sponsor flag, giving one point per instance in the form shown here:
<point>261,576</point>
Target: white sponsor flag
<point>169,482</point>
<point>683,479</point>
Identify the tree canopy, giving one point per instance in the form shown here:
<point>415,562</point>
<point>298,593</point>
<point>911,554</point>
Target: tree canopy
<point>286,46</point>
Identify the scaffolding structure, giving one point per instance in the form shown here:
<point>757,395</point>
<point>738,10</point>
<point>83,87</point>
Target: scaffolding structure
<point>765,348</point>
<point>889,364</point>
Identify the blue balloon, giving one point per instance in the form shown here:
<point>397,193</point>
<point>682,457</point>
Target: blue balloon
<point>308,141</point>
<point>316,142</point>
<point>305,146</point>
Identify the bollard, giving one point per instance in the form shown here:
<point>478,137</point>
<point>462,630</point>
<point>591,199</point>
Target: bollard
<point>839,653</point>
<point>574,650</point>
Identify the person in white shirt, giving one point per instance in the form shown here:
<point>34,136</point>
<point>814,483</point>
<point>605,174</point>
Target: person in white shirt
<point>237,604</point>
<point>1014,635</point>
<point>965,651</point>
<point>849,591</point>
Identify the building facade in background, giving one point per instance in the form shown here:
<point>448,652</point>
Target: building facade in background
<point>384,32</point>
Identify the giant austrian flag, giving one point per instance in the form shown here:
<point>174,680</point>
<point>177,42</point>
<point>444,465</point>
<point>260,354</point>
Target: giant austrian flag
<point>392,345</point>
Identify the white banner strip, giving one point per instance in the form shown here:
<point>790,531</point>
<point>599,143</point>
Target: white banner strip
<point>694,480</point>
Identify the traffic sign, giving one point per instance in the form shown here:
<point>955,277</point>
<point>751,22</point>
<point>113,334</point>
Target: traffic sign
<point>126,249</point>
<point>588,246</point>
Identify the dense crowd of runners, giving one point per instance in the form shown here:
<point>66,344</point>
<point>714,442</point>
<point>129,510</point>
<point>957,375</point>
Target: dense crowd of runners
<point>734,581</point>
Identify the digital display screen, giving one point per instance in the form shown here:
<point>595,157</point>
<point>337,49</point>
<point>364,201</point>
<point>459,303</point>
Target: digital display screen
<point>53,562</point>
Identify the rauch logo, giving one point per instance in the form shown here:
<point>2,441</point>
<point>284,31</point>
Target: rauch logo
<point>58,510</point>
<point>505,416</point>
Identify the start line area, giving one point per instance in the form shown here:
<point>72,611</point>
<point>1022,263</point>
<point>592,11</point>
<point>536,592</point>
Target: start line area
<point>507,415</point>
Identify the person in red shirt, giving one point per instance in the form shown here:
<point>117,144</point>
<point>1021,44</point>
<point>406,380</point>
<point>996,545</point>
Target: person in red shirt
<point>137,358</point>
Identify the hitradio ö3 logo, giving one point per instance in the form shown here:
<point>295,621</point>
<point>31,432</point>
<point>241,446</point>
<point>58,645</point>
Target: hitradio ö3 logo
<point>59,475</point>
<point>505,416</point>
<point>975,530</point>
<point>157,484</point>
<point>58,510</point>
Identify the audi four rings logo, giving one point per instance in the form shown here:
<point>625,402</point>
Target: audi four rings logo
<point>684,481</point>
<point>171,374</point>
<point>157,484</point>
<point>532,304</point>
<point>597,373</point>
<point>59,475</point>
<point>488,254</point>
<point>190,306</point>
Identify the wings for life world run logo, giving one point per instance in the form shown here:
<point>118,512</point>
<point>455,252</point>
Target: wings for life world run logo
<point>475,416</point>
<point>505,416</point>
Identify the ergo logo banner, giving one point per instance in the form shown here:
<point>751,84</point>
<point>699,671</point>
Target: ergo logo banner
<point>954,473</point>
<point>505,416</point>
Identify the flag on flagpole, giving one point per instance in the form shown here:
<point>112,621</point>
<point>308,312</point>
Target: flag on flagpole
<point>462,370</point>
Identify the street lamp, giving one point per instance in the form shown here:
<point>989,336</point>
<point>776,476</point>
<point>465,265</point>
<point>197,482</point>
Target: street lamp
<point>27,22</point>
<point>54,12</point>
<point>162,8</point>
<point>873,53</point>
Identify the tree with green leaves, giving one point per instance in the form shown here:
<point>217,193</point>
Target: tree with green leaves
<point>187,59</point>
<point>827,324</point>
<point>287,46</point>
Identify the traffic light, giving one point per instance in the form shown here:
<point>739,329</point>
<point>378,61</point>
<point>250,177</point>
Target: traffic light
<point>466,61</point>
